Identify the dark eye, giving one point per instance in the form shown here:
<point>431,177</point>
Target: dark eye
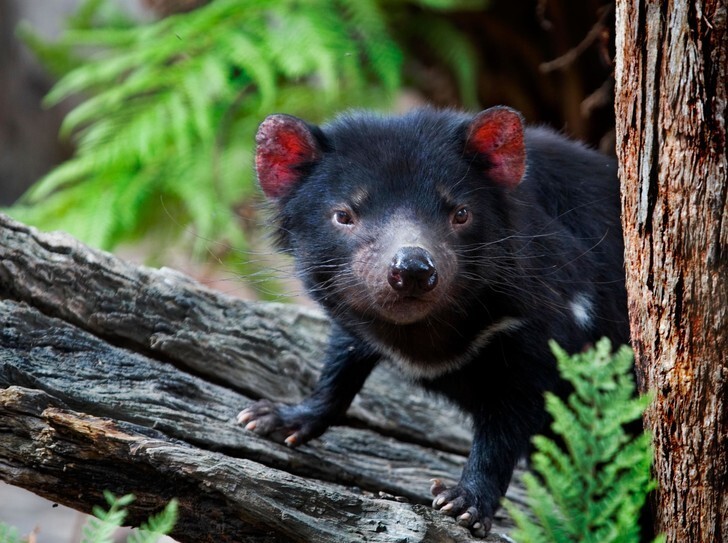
<point>461,216</point>
<point>343,217</point>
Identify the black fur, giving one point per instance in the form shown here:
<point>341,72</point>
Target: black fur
<point>539,260</point>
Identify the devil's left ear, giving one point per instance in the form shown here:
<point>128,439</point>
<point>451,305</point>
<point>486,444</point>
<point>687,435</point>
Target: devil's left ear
<point>496,134</point>
<point>283,144</point>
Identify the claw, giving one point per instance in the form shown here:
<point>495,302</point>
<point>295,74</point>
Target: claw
<point>292,425</point>
<point>437,487</point>
<point>457,502</point>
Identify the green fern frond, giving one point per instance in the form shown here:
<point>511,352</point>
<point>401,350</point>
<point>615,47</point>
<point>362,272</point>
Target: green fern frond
<point>156,525</point>
<point>57,59</point>
<point>454,50</point>
<point>251,58</point>
<point>85,14</point>
<point>60,57</point>
<point>559,472</point>
<point>593,489</point>
<point>369,20</point>
<point>463,5</point>
<point>101,527</point>
<point>169,108</point>
<point>545,509</point>
<point>8,534</point>
<point>161,95</point>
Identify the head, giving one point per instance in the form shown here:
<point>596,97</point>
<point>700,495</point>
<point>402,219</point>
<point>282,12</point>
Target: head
<point>381,213</point>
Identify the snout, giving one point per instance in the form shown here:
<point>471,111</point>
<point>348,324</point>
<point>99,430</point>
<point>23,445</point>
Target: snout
<point>412,272</point>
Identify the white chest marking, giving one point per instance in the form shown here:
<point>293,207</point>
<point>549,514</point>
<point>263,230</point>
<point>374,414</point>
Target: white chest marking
<point>419,370</point>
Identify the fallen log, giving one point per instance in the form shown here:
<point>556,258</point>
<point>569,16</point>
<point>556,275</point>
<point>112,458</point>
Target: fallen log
<point>127,378</point>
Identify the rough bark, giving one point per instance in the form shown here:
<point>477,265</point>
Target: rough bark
<point>671,140</point>
<point>128,379</point>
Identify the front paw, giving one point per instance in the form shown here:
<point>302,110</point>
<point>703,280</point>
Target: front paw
<point>291,424</point>
<point>461,503</point>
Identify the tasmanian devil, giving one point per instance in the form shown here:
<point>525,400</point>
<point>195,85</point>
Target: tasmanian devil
<point>455,246</point>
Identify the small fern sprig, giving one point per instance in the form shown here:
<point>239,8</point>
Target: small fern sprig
<point>157,525</point>
<point>8,534</point>
<point>101,527</point>
<point>592,489</point>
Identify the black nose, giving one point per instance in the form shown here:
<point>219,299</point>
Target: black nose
<point>412,271</point>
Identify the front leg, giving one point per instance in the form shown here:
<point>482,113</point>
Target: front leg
<point>348,363</point>
<point>507,410</point>
<point>485,478</point>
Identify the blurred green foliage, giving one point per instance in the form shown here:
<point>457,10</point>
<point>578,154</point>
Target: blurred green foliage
<point>106,521</point>
<point>102,527</point>
<point>164,129</point>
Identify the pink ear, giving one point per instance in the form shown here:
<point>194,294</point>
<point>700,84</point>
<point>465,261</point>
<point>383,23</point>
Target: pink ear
<point>283,143</point>
<point>497,134</point>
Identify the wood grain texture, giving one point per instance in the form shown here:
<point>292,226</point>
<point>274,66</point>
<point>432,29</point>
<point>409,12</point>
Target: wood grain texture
<point>671,105</point>
<point>126,378</point>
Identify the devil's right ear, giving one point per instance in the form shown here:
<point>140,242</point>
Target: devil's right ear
<point>497,135</point>
<point>283,144</point>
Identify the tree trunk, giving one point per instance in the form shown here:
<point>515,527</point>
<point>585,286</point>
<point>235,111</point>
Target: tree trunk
<point>671,141</point>
<point>125,378</point>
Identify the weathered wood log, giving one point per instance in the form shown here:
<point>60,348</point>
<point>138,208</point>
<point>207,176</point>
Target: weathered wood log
<point>126,378</point>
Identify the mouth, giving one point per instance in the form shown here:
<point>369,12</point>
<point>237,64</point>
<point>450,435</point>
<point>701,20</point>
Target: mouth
<point>387,306</point>
<point>405,309</point>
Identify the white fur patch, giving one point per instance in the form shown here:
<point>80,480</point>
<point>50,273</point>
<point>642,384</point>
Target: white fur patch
<point>582,308</point>
<point>431,371</point>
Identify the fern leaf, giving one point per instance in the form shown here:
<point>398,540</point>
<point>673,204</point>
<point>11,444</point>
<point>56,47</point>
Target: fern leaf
<point>245,54</point>
<point>101,528</point>
<point>455,51</point>
<point>8,534</point>
<point>592,491</point>
<point>454,4</point>
<point>162,95</point>
<point>156,525</point>
<point>545,509</point>
<point>90,76</point>
<point>385,56</point>
<point>85,14</point>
